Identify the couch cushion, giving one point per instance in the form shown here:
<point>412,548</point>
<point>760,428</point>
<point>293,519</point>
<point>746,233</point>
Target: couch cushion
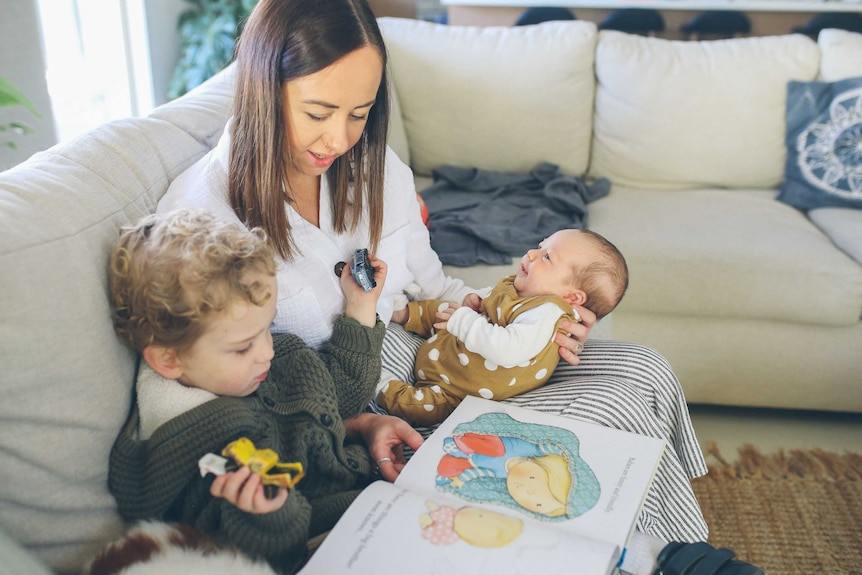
<point>462,107</point>
<point>397,138</point>
<point>203,112</point>
<point>840,54</point>
<point>727,254</point>
<point>66,379</point>
<point>682,115</point>
<point>843,226</point>
<point>18,560</point>
<point>824,144</point>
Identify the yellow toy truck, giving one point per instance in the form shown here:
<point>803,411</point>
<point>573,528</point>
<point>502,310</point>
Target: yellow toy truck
<point>263,462</point>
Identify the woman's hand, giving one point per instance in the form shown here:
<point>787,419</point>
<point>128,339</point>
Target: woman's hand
<point>385,436</point>
<point>361,305</point>
<point>243,489</point>
<point>573,344</point>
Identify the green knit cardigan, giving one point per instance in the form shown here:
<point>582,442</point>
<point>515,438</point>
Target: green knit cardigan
<point>299,412</point>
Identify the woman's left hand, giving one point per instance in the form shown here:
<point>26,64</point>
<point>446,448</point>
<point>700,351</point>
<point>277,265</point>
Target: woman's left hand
<point>385,436</point>
<point>573,344</point>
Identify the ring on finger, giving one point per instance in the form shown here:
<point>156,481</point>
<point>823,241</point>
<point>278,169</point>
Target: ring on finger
<point>381,460</point>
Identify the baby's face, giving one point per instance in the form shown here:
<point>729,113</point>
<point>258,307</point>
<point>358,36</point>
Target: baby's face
<point>548,269</point>
<point>485,528</point>
<point>232,356</point>
<point>529,485</point>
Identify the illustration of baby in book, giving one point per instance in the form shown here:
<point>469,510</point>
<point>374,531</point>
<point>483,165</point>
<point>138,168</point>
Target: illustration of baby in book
<point>531,467</point>
<point>445,524</point>
<point>503,489</point>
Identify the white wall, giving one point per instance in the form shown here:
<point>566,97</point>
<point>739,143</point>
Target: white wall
<point>22,61</point>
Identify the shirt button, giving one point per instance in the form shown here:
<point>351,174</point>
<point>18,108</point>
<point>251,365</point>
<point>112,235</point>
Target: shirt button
<point>268,401</point>
<point>326,419</point>
<point>352,463</point>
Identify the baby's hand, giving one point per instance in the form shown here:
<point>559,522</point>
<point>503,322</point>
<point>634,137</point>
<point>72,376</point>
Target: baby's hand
<point>361,305</point>
<point>400,316</point>
<point>444,314</point>
<point>473,301</point>
<point>243,489</point>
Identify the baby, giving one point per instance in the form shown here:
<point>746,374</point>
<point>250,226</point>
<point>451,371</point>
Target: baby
<point>506,349</point>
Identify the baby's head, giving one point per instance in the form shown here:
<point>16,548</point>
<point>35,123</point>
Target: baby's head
<point>580,266</point>
<point>540,484</point>
<point>196,297</point>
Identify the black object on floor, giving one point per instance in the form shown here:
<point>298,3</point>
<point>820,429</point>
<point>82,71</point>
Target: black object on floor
<point>851,21</point>
<point>539,14</point>
<point>634,20</point>
<point>717,23</point>
<point>701,559</point>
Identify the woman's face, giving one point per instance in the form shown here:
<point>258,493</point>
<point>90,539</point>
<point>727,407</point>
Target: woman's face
<point>327,111</point>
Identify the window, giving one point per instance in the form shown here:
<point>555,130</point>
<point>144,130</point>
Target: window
<point>96,60</point>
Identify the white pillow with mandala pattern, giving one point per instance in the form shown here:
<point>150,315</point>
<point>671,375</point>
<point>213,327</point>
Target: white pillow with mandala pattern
<point>824,145</point>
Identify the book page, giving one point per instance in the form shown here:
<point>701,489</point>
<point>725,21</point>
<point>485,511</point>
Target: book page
<point>390,530</point>
<point>560,472</point>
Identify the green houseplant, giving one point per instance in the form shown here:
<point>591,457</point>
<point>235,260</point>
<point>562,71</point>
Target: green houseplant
<point>209,29</point>
<point>11,96</point>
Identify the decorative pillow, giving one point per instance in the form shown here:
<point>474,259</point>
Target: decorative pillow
<point>824,145</point>
<point>677,115</point>
<point>459,88</point>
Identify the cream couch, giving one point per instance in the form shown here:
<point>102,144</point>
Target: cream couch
<point>752,303</point>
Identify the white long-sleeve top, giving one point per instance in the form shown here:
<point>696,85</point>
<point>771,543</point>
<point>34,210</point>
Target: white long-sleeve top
<point>510,345</point>
<point>309,293</point>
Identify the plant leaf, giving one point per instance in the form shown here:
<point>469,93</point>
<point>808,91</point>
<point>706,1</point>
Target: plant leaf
<point>209,29</point>
<point>11,96</point>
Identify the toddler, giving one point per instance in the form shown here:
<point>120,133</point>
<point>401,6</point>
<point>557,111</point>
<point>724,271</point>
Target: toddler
<point>196,297</point>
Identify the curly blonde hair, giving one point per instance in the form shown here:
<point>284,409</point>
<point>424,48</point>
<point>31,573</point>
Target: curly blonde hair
<point>170,272</point>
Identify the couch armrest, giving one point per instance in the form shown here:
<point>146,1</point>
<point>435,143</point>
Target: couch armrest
<point>18,560</point>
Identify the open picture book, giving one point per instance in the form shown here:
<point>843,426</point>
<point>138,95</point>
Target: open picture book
<point>499,488</point>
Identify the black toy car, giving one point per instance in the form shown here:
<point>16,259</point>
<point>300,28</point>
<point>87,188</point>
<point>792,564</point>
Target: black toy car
<point>362,270</point>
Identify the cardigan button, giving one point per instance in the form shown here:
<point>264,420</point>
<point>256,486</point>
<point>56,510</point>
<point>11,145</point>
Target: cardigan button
<point>268,401</point>
<point>326,419</point>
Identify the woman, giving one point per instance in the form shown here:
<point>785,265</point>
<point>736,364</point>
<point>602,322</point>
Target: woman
<point>304,156</point>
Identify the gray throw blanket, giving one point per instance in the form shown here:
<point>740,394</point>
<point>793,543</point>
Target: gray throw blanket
<point>479,216</point>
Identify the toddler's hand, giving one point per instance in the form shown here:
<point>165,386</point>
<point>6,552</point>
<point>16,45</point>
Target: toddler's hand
<point>243,489</point>
<point>361,305</point>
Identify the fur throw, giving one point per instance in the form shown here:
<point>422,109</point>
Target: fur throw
<point>156,548</point>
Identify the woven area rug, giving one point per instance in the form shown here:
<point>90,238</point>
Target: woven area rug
<point>790,513</point>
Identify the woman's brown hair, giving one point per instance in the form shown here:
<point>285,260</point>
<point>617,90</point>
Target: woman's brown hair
<point>284,40</point>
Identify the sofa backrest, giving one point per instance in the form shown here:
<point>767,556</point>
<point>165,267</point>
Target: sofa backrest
<point>683,115</point>
<point>66,380</point>
<point>840,54</point>
<point>498,98</point>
